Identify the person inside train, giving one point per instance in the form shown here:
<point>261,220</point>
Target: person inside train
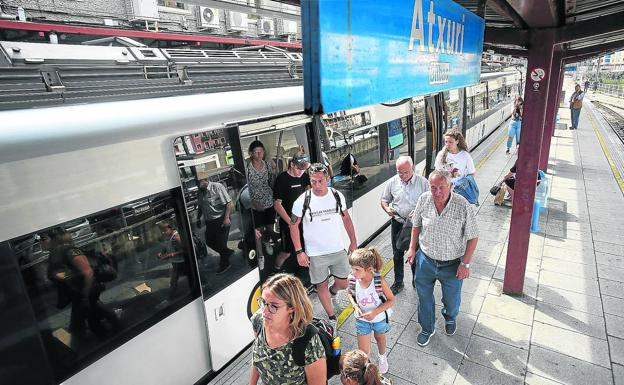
<point>284,315</point>
<point>289,185</point>
<point>174,253</point>
<point>514,128</point>
<point>260,178</point>
<point>215,206</point>
<point>356,369</point>
<point>74,277</point>
<point>349,167</point>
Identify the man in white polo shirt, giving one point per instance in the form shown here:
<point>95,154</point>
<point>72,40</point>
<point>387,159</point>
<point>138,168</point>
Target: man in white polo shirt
<point>324,213</point>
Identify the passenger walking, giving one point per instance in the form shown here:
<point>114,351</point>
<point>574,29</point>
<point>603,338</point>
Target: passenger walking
<point>73,275</point>
<point>398,201</point>
<point>174,253</point>
<point>260,179</point>
<point>289,185</point>
<point>324,214</point>
<point>284,315</point>
<point>445,227</point>
<point>356,369</point>
<point>372,301</point>
<point>576,103</point>
<point>514,128</point>
<point>454,157</point>
<point>215,206</point>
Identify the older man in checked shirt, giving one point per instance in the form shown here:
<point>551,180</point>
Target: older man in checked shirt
<point>445,227</point>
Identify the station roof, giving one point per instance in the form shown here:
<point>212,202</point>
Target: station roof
<point>585,28</point>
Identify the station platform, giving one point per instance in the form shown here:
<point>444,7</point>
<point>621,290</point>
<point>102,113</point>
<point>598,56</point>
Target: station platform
<point>568,327</point>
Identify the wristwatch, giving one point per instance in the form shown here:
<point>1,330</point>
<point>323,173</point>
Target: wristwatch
<point>466,265</point>
<point>298,251</point>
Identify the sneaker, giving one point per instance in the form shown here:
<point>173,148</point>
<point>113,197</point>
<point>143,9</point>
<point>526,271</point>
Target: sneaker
<point>383,364</point>
<point>507,152</point>
<point>424,338</point>
<point>450,327</point>
<point>396,288</point>
<point>223,269</point>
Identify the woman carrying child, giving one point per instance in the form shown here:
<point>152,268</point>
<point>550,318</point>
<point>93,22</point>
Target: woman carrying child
<point>372,300</point>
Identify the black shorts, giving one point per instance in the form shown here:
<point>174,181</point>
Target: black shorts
<point>264,218</point>
<point>511,183</point>
<point>287,245</point>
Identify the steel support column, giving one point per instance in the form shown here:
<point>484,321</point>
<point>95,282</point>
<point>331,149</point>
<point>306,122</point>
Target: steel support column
<point>541,44</point>
<point>552,106</point>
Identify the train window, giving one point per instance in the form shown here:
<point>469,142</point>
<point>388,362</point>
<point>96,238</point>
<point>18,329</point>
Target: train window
<point>96,281</point>
<point>218,206</point>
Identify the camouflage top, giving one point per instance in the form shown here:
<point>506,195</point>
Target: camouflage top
<point>277,366</point>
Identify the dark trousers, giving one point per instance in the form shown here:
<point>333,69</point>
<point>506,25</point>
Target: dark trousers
<point>397,255</point>
<point>216,238</point>
<point>177,269</point>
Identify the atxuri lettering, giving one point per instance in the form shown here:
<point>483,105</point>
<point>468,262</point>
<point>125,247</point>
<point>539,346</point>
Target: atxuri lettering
<point>450,32</point>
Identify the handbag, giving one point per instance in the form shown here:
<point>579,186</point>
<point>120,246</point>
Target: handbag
<point>404,236</point>
<point>495,189</point>
<point>577,105</point>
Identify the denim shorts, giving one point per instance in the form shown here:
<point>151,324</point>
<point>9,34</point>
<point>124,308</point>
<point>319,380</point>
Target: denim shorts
<point>364,328</point>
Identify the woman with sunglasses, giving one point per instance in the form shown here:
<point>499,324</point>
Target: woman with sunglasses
<point>285,312</point>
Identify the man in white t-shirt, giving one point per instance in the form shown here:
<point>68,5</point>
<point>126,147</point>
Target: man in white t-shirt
<point>324,213</point>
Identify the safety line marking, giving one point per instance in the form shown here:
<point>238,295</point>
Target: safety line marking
<point>491,152</point>
<point>605,150</point>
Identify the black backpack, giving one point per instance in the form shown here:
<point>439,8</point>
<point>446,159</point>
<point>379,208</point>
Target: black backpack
<point>326,333</point>
<point>308,197</point>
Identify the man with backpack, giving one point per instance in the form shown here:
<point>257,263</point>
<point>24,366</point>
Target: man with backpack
<point>324,213</point>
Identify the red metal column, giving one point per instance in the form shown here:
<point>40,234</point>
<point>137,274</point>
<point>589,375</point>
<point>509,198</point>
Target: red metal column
<point>552,106</point>
<point>535,96</point>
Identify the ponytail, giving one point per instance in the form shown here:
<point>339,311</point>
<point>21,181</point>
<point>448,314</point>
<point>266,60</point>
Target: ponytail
<point>371,375</point>
<point>355,365</point>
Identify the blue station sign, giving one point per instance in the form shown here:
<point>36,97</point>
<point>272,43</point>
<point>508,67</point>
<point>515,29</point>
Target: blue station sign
<point>364,52</point>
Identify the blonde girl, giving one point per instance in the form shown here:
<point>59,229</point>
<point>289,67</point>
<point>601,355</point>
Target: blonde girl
<point>372,300</point>
<point>356,369</point>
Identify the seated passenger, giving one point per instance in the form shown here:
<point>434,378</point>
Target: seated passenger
<point>509,182</point>
<point>350,167</point>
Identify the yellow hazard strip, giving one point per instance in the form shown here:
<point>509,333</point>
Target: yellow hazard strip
<point>605,149</point>
<point>491,152</point>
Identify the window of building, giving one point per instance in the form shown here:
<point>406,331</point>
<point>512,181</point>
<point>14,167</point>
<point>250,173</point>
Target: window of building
<point>98,279</point>
<point>171,4</point>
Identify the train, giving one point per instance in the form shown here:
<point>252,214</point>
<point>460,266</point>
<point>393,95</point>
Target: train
<point>107,144</point>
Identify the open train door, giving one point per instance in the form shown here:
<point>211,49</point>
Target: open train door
<point>435,126</point>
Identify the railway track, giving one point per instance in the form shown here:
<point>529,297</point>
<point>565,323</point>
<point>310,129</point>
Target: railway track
<point>614,118</point>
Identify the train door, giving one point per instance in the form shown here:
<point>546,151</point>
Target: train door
<point>419,136</point>
<point>212,173</point>
<point>435,126</point>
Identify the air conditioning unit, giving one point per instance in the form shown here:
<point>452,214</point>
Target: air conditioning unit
<point>289,27</point>
<point>237,21</point>
<point>208,17</point>
<point>266,27</point>
<point>144,9</point>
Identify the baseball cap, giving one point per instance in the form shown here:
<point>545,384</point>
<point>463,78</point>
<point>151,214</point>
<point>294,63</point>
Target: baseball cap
<point>301,160</point>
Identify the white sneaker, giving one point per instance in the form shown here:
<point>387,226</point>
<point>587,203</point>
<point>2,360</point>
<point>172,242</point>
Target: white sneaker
<point>383,364</point>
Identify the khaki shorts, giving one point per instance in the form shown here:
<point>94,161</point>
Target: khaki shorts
<point>322,266</point>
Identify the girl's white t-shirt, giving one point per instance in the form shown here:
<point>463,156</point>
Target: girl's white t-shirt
<point>459,165</point>
<point>368,299</point>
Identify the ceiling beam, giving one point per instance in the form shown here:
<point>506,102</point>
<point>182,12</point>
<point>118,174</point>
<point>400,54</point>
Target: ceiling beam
<point>558,12</point>
<point>481,8</point>
<point>506,36</point>
<point>594,50</point>
<point>507,51</point>
<point>503,8</point>
<point>591,28</point>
